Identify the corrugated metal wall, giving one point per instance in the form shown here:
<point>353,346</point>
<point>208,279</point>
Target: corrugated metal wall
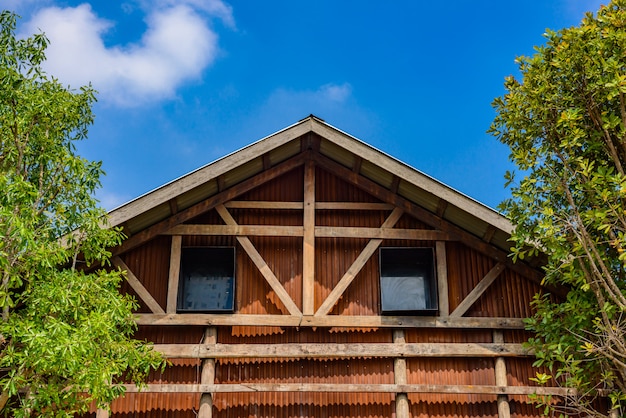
<point>507,297</point>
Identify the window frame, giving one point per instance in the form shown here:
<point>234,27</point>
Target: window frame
<point>186,257</point>
<point>425,255</point>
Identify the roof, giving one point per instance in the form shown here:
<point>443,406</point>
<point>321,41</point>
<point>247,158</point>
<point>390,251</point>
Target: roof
<point>344,149</point>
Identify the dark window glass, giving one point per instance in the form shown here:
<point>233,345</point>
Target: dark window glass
<point>407,280</point>
<point>207,280</point>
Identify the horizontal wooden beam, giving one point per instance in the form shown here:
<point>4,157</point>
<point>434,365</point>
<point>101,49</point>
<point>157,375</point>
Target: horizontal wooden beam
<point>380,233</point>
<point>237,230</point>
<point>298,231</point>
<point>348,387</point>
<point>257,204</point>
<point>381,350</point>
<point>330,321</point>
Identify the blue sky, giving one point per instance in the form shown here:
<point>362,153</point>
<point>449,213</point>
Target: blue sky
<point>184,82</point>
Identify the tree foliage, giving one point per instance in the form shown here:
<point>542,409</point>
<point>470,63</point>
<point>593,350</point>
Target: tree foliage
<point>65,333</point>
<point>565,123</point>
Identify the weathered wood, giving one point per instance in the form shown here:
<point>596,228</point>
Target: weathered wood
<point>138,287</point>
<point>400,376</point>
<point>174,274</point>
<point>208,375</point>
<point>209,203</point>
<point>442,278</point>
<point>102,413</point>
<point>257,204</point>
<point>308,244</point>
<point>478,291</point>
<point>237,230</point>
<point>348,388</point>
<point>298,231</point>
<point>329,350</point>
<point>357,265</point>
<point>258,260</point>
<point>330,321</point>
<point>504,409</point>
<point>380,233</point>
<point>352,206</point>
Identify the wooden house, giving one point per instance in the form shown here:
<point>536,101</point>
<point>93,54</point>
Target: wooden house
<point>311,275</point>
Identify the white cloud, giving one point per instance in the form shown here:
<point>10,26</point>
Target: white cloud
<point>177,46</point>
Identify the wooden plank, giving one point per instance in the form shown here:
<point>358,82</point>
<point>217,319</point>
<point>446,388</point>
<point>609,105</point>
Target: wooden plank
<point>102,413</point>
<point>400,376</point>
<point>353,206</point>
<point>174,274</point>
<point>356,266</point>
<point>504,409</point>
<point>478,291</point>
<point>209,203</point>
<point>330,321</point>
<point>347,388</point>
<point>329,350</point>
<point>208,375</point>
<point>298,231</point>
<point>442,278</point>
<point>138,287</point>
<point>258,260</point>
<point>308,244</point>
<point>257,204</point>
<point>237,230</point>
<point>380,233</point>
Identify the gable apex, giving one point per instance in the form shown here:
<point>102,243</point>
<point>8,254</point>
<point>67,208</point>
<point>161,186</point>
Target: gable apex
<point>333,144</point>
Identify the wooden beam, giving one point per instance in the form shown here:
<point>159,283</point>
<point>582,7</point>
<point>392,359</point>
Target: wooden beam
<point>209,203</point>
<point>478,291</point>
<point>174,274</point>
<point>308,244</point>
<point>138,287</point>
<point>330,321</point>
<point>400,376</point>
<point>298,231</point>
<point>381,233</point>
<point>208,375</point>
<point>328,350</point>
<point>237,230</point>
<point>442,278</point>
<point>504,409</point>
<point>258,260</point>
<point>257,204</point>
<point>347,387</point>
<point>275,205</point>
<point>356,266</point>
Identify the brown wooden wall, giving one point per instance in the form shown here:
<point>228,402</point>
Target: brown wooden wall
<point>507,297</point>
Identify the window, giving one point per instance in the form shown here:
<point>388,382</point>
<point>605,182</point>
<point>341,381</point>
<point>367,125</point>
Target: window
<point>407,280</point>
<point>207,279</point>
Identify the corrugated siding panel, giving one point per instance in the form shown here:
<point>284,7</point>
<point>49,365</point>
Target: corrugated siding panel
<point>453,410</point>
<point>453,371</point>
<point>363,371</point>
<point>150,264</point>
<point>302,409</point>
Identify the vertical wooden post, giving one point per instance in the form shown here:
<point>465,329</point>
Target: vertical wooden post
<point>102,413</point>
<point>207,377</point>
<point>172,283</point>
<point>442,278</point>
<point>504,409</point>
<point>400,377</point>
<point>308,248</point>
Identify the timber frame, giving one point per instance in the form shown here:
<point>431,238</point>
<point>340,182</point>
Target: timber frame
<point>312,145</point>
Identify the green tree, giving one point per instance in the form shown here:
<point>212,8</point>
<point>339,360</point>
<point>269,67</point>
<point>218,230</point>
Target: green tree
<point>65,333</point>
<point>565,123</point>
